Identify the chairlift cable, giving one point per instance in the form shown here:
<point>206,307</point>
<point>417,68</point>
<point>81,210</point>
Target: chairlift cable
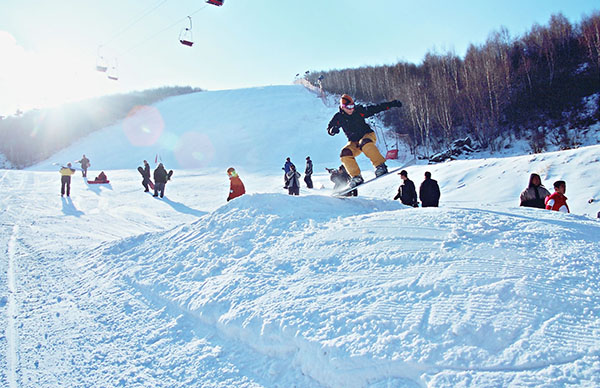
<point>142,16</point>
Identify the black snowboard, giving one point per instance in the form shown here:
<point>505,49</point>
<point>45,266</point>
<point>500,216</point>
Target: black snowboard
<point>150,183</point>
<point>169,175</point>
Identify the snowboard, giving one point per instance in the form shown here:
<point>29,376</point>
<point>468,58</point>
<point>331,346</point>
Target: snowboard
<point>169,175</point>
<point>341,193</point>
<point>150,183</point>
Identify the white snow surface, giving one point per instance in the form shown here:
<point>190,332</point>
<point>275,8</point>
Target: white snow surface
<point>115,288</point>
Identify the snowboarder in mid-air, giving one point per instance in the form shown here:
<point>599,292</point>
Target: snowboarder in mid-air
<point>361,138</point>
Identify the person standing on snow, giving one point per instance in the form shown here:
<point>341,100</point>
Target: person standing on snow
<point>160,180</point>
<point>429,192</point>
<point>293,181</point>
<point>308,171</point>
<point>85,163</point>
<point>406,192</point>
<point>557,200</point>
<point>286,169</point>
<point>361,138</point>
<point>146,176</point>
<point>65,179</point>
<point>236,187</point>
<point>535,194</point>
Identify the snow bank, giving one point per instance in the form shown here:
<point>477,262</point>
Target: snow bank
<point>363,292</point>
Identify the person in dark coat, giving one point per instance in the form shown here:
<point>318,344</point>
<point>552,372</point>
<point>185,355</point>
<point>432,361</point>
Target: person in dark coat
<point>146,176</point>
<point>286,169</point>
<point>65,179</point>
<point>160,180</point>
<point>293,181</point>
<point>361,138</point>
<point>535,194</point>
<point>85,164</point>
<point>308,171</point>
<point>236,187</point>
<point>340,179</point>
<point>406,192</point>
<point>429,192</point>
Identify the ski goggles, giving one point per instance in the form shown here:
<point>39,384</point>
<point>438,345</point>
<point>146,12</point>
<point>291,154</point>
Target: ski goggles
<point>348,106</point>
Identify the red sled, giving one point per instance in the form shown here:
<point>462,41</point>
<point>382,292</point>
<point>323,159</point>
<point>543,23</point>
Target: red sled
<point>97,182</point>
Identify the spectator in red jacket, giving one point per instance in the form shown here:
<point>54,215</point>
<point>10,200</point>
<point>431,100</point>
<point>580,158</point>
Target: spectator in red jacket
<point>557,200</point>
<point>236,187</point>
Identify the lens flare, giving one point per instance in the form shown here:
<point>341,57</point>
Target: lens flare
<point>194,150</point>
<point>143,126</point>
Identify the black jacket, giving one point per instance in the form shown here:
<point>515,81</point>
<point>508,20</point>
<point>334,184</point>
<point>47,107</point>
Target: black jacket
<point>146,174</point>
<point>429,193</point>
<point>407,193</point>
<point>309,168</point>
<point>160,175</point>
<point>354,125</point>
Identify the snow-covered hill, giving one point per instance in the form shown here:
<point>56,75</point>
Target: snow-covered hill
<point>115,288</point>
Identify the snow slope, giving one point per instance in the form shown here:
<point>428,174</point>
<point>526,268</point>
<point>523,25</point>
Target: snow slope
<point>114,288</point>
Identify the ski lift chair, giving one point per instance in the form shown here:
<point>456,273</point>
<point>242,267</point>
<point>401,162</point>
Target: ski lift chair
<point>101,64</point>
<point>218,3</point>
<point>113,73</point>
<point>185,36</point>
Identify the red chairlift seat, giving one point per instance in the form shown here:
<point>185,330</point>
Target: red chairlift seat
<point>185,36</point>
<point>218,3</point>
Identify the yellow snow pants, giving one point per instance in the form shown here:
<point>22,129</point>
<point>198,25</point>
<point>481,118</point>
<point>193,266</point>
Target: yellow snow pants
<point>365,145</point>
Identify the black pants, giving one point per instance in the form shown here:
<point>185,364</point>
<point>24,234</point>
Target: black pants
<point>145,183</point>
<point>84,172</point>
<point>308,180</point>
<point>159,186</point>
<point>65,182</point>
<point>294,190</point>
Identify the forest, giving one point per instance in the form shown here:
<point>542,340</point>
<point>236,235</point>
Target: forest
<point>30,137</point>
<point>508,86</point>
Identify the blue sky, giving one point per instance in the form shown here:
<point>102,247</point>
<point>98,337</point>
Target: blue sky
<point>51,47</point>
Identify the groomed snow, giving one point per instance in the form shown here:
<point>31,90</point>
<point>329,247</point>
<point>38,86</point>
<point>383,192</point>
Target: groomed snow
<point>116,288</point>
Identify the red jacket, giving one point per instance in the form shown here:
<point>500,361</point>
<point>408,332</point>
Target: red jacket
<point>558,202</point>
<point>236,188</point>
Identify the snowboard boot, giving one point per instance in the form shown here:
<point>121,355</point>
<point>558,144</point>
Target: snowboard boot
<point>356,180</point>
<point>381,170</point>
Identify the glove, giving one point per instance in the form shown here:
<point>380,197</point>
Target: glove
<point>333,131</point>
<point>396,103</point>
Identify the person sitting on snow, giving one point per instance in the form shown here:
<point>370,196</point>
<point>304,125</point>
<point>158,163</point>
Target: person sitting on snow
<point>236,187</point>
<point>361,138</point>
<point>535,194</point>
<point>557,200</point>
<point>101,177</point>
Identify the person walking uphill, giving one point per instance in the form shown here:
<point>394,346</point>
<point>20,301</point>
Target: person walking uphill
<point>146,176</point>
<point>406,192</point>
<point>236,187</point>
<point>361,138</point>
<point>535,194</point>
<point>65,179</point>
<point>85,164</point>
<point>160,180</point>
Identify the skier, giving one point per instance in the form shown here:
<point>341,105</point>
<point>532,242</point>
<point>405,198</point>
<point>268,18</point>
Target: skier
<point>429,192</point>
<point>535,194</point>
<point>160,180</point>
<point>557,200</point>
<point>85,163</point>
<point>286,169</point>
<point>65,179</point>
<point>293,178</point>
<point>146,176</point>
<point>340,179</point>
<point>361,138</point>
<point>406,192</point>
<point>308,173</point>
<point>236,187</point>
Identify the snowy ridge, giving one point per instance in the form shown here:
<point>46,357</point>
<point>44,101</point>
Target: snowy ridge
<point>465,296</point>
